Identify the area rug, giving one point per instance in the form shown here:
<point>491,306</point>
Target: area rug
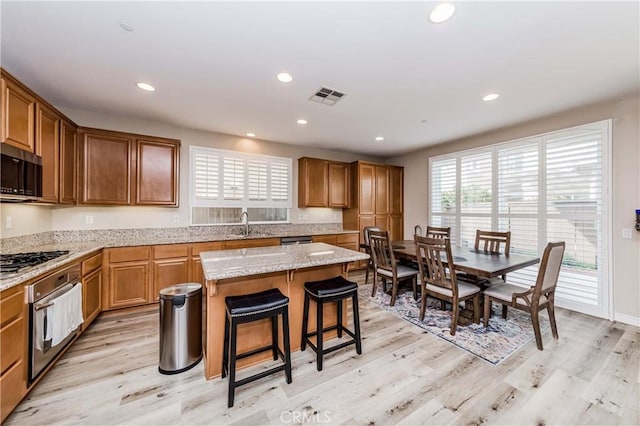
<point>501,339</point>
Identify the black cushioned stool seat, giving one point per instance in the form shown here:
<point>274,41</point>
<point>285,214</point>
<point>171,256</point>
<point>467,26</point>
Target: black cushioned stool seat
<point>252,307</point>
<point>336,290</point>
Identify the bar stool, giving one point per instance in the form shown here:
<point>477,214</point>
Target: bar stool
<point>336,290</point>
<point>248,308</point>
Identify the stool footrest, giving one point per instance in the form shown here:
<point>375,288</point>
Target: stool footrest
<point>259,375</point>
<point>255,351</point>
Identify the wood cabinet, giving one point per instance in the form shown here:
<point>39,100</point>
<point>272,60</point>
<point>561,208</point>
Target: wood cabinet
<point>127,277</point>
<point>170,267</point>
<point>126,169</point>
<point>13,356</point>
<point>48,147</point>
<point>378,193</point>
<point>68,163</point>
<point>323,183</point>
<point>348,241</point>
<point>91,270</point>
<point>259,242</point>
<point>18,114</point>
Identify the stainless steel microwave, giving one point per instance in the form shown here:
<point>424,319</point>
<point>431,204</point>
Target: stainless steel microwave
<point>21,174</point>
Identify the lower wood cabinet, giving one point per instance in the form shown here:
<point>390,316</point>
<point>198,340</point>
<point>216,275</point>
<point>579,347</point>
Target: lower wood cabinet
<point>127,277</point>
<point>348,241</point>
<point>170,267</point>
<point>197,276</point>
<point>91,270</point>
<point>13,344</point>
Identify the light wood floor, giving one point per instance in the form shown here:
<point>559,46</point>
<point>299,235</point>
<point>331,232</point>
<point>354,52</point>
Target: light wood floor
<point>404,376</point>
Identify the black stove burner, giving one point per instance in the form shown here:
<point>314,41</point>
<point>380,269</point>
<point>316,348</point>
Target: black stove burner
<point>15,262</point>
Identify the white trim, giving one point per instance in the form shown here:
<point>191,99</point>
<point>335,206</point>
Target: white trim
<point>626,319</point>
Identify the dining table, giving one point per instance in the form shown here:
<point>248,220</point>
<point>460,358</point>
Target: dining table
<point>474,262</point>
<point>477,264</point>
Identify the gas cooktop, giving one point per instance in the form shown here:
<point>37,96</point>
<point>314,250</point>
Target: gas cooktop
<point>14,263</point>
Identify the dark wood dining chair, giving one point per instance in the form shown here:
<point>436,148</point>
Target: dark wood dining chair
<point>538,297</point>
<point>440,281</point>
<point>438,232</point>
<point>367,248</point>
<point>386,267</point>
<point>493,242</point>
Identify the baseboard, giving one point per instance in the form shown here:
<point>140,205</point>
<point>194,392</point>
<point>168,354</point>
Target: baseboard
<point>627,319</point>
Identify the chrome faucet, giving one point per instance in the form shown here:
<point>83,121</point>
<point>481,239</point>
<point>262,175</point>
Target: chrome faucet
<point>246,223</point>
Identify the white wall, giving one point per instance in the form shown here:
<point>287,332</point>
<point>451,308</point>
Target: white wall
<point>625,185</point>
<point>30,219</point>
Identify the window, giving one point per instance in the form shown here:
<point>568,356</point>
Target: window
<point>226,183</point>
<point>550,187</point>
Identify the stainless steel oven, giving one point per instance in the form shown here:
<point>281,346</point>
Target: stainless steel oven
<point>47,338</point>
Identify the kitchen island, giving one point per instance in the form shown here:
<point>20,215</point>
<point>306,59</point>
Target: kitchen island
<point>244,271</point>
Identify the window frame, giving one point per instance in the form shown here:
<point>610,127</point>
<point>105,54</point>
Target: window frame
<point>605,296</point>
<point>244,202</point>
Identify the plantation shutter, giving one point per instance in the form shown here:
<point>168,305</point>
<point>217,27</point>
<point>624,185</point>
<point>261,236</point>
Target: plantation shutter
<point>279,187</point>
<point>546,188</point>
<point>206,177</point>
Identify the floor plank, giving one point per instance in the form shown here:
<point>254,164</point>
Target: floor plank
<point>591,375</point>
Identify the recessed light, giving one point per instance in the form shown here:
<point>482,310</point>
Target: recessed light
<point>146,87</point>
<point>284,77</point>
<point>302,121</point>
<point>251,135</point>
<point>125,26</point>
<point>491,97</point>
<point>379,138</point>
<point>442,12</point>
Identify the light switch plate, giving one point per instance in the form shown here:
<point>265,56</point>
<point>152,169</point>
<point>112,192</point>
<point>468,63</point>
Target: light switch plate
<point>626,233</point>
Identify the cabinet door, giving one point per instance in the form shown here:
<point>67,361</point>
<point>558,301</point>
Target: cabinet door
<point>367,196</point>
<point>18,116</point>
<point>396,227</point>
<point>68,162</point>
<point>396,189</point>
<point>382,190</point>
<point>128,284</point>
<point>106,168</point>
<point>91,296</point>
<point>338,185</point>
<point>168,272</point>
<point>157,172</point>
<point>382,222</point>
<point>313,180</point>
<point>13,356</point>
<point>48,147</point>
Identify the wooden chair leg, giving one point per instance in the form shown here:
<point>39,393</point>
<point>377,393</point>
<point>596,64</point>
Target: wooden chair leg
<point>443,305</point>
<point>536,329</point>
<point>423,303</point>
<point>415,287</point>
<point>552,319</point>
<point>504,310</point>
<point>487,310</point>
<point>394,290</point>
<point>454,317</point>
<point>375,283</point>
<point>476,308</point>
<point>366,274</point>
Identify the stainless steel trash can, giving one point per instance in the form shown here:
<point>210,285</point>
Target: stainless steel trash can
<point>180,328</point>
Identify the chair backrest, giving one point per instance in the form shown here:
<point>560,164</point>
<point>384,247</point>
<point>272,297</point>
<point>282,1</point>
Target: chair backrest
<point>417,230</point>
<point>365,233</point>
<point>549,270</point>
<point>492,241</point>
<point>381,252</point>
<point>432,254</point>
<point>436,232</point>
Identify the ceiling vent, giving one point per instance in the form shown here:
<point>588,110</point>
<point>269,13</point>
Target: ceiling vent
<point>327,96</point>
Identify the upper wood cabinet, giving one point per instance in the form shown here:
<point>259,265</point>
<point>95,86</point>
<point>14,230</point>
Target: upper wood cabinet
<point>157,172</point>
<point>68,162</point>
<point>396,189</point>
<point>48,147</point>
<point>126,169</point>
<point>18,114</point>
<point>323,183</point>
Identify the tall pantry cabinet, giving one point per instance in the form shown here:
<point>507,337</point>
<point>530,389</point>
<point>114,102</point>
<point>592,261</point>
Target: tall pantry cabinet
<point>377,199</point>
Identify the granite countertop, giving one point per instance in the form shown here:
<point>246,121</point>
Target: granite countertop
<point>225,264</point>
<point>80,248</point>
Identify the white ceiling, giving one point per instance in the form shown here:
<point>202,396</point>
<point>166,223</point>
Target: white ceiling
<point>214,64</point>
